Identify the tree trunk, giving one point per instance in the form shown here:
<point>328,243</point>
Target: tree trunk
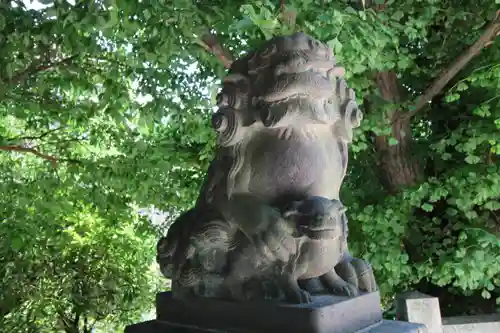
<point>397,169</point>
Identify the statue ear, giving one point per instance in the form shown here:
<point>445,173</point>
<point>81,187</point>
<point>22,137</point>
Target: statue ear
<point>338,211</point>
<point>336,71</point>
<point>165,248</point>
<point>290,213</point>
<point>342,132</point>
<point>293,210</point>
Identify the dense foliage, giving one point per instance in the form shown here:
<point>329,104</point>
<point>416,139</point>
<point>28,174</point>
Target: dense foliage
<point>105,107</point>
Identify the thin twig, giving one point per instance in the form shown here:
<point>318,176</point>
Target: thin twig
<point>491,31</point>
<point>289,16</point>
<point>33,151</point>
<point>65,321</point>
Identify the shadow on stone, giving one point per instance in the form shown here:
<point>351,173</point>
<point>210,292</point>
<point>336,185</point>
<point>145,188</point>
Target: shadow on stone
<point>326,314</point>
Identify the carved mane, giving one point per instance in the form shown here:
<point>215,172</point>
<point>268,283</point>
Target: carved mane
<point>290,82</point>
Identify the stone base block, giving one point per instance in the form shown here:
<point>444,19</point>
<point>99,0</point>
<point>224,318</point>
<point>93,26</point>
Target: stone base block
<point>385,326</point>
<point>326,314</point>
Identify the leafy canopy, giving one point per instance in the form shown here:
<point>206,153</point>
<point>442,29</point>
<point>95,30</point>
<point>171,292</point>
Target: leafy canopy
<point>105,108</point>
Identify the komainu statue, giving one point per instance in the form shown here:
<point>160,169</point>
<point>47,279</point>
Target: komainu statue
<point>269,223</point>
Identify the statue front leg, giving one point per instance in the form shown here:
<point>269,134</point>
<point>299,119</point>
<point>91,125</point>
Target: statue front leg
<point>338,286</point>
<point>357,272</point>
<point>290,285</point>
<point>293,293</point>
<point>345,270</point>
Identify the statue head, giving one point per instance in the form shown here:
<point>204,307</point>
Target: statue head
<point>290,81</point>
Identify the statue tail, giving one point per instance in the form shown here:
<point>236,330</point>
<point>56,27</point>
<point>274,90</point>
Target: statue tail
<point>217,234</point>
<point>171,248</point>
<point>164,257</point>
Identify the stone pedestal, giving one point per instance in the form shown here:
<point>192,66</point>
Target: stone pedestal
<point>415,307</point>
<point>327,314</point>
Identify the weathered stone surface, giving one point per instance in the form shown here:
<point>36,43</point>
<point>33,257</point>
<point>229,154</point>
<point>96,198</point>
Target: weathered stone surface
<point>384,326</point>
<point>390,326</point>
<point>269,221</point>
<point>326,314</point>
<point>472,324</point>
<point>155,326</point>
<point>416,307</point>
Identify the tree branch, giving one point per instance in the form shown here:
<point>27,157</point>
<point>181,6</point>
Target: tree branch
<point>76,321</point>
<point>85,325</point>
<point>67,324</point>
<point>37,67</point>
<point>210,43</point>
<point>289,16</point>
<point>491,31</point>
<point>50,158</point>
<point>91,326</point>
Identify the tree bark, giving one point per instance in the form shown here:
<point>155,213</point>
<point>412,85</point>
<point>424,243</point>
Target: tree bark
<point>397,169</point>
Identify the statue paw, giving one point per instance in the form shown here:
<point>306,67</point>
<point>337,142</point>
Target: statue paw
<point>357,272</point>
<point>338,286</point>
<point>294,294</point>
<point>299,297</point>
<point>345,289</point>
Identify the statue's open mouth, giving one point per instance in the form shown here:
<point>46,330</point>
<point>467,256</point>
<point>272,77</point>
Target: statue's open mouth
<point>318,233</point>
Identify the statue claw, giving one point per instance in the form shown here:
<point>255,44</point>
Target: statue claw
<point>294,294</point>
<point>338,286</point>
<point>305,297</point>
<point>347,289</point>
<point>347,272</point>
<point>299,297</point>
<point>358,273</point>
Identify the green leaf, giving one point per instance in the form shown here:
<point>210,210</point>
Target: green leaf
<point>404,62</point>
<point>482,111</point>
<point>358,68</point>
<point>335,45</point>
<point>452,98</point>
<point>462,86</point>
<point>16,243</point>
<point>393,141</point>
<point>451,211</point>
<point>427,207</point>
<point>485,294</point>
<point>397,15</point>
<point>471,159</point>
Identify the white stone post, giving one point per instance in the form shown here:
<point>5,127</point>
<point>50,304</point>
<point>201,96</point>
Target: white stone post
<point>415,307</point>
